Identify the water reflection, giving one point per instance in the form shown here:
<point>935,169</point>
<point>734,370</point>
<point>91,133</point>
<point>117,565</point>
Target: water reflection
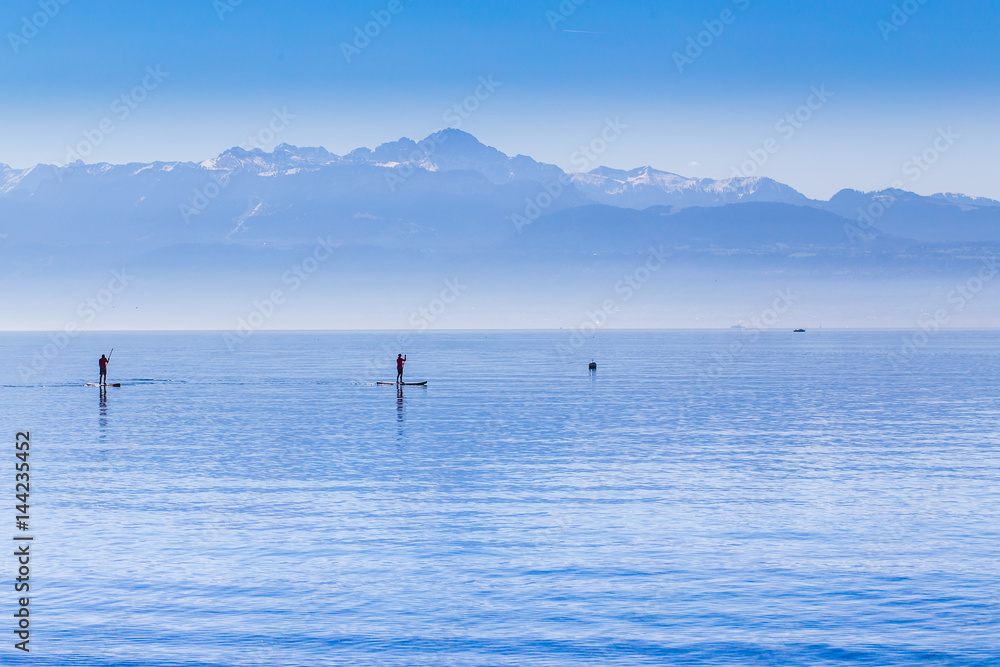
<point>102,419</point>
<point>400,410</point>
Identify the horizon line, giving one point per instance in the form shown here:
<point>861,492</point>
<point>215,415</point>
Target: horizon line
<point>518,330</point>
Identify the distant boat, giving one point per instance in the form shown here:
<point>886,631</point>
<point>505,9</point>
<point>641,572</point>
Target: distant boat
<point>799,331</point>
<point>592,366</point>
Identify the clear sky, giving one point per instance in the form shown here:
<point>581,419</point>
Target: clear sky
<point>899,73</point>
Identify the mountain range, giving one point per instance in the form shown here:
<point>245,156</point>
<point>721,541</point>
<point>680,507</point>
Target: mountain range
<point>450,202</point>
<point>447,190</point>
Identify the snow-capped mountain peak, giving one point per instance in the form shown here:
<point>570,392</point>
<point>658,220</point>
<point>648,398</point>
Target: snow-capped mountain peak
<point>646,186</point>
<point>965,200</point>
<point>452,150</point>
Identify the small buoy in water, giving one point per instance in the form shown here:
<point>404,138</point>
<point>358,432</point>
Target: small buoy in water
<point>593,366</point>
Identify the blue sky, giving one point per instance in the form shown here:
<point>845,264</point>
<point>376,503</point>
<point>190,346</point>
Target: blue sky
<point>562,70</point>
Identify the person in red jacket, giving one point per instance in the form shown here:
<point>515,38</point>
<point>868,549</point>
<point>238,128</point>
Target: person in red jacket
<point>400,360</point>
<point>103,363</point>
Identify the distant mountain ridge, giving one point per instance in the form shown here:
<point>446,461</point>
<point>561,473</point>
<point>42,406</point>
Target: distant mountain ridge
<point>371,235</point>
<point>446,189</point>
<point>645,187</point>
<point>455,150</point>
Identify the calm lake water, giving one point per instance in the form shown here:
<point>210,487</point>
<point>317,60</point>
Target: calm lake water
<point>704,498</point>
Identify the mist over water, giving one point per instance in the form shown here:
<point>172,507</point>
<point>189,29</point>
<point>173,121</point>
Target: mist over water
<point>703,498</point>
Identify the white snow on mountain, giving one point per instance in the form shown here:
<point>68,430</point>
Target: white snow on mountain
<point>284,159</point>
<point>452,150</point>
<point>645,186</point>
<point>24,179</point>
<point>965,200</point>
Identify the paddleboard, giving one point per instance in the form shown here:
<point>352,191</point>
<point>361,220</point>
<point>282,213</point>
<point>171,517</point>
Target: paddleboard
<point>110,384</point>
<point>407,384</point>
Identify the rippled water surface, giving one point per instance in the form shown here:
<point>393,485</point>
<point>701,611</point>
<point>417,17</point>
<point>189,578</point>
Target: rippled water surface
<point>703,498</point>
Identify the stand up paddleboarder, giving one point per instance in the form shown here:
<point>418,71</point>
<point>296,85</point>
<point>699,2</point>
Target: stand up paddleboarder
<point>400,360</point>
<point>103,363</point>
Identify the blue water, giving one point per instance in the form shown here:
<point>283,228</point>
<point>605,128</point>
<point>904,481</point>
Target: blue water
<point>704,498</point>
